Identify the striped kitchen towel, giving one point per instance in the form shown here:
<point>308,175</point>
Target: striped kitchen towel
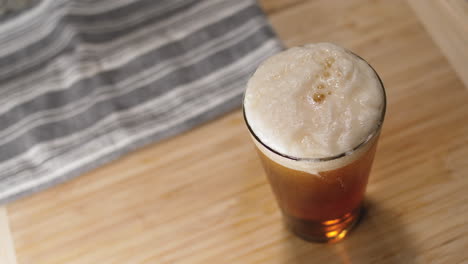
<point>84,81</point>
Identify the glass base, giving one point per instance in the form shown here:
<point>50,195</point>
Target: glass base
<point>329,231</point>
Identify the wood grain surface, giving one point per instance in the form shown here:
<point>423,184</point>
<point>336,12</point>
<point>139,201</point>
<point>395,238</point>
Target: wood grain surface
<point>202,197</point>
<point>446,22</point>
<point>7,250</point>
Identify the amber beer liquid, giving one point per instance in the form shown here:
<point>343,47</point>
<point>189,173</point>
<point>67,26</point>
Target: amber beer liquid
<point>315,114</point>
<point>321,208</point>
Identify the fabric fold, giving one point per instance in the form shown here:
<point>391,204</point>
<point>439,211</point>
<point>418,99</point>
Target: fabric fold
<point>84,82</point>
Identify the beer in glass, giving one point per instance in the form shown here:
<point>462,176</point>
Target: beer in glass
<point>315,113</point>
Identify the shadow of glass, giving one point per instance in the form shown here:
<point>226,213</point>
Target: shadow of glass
<point>379,237</point>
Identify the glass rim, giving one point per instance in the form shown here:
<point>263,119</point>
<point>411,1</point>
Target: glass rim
<point>371,135</point>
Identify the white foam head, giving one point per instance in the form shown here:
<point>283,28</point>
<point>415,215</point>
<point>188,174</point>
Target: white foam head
<point>314,101</point>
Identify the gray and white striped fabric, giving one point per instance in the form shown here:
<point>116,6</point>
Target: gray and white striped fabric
<point>84,81</point>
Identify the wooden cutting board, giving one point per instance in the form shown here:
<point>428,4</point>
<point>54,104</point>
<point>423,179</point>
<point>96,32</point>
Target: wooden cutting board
<point>202,197</point>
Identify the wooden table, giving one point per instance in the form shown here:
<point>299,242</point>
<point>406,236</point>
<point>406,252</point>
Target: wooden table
<point>202,197</point>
